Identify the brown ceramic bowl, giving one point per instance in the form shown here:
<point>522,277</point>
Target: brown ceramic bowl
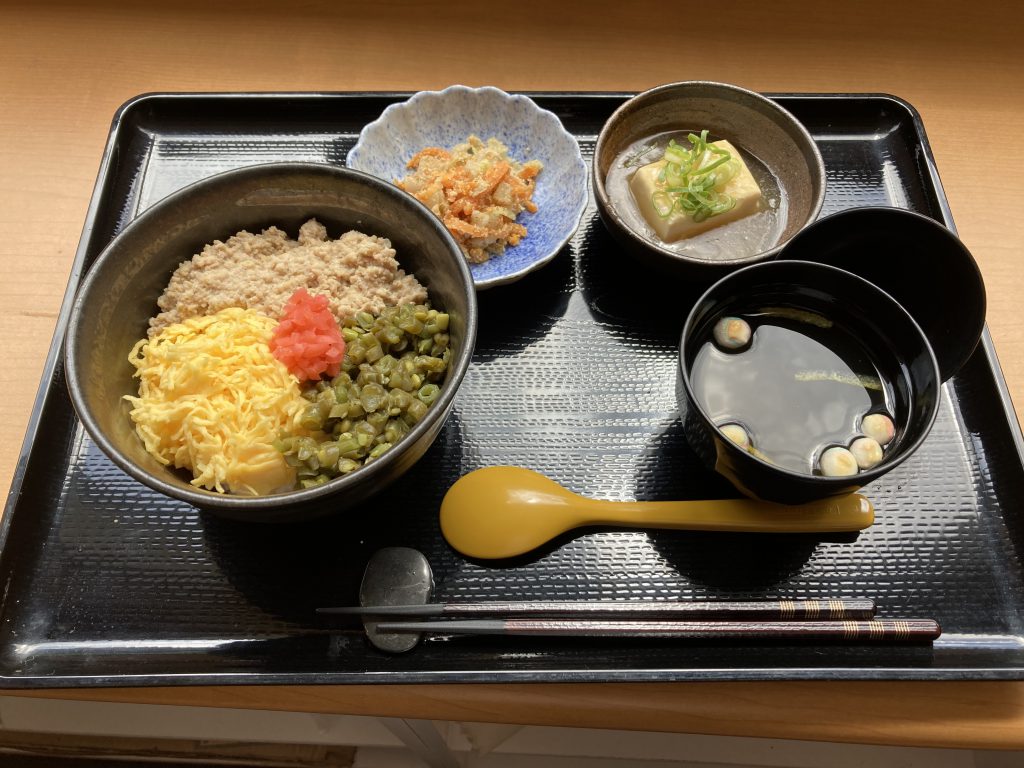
<point>771,140</point>
<point>119,294</point>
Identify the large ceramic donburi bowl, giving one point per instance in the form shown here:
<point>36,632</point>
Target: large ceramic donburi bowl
<point>119,294</point>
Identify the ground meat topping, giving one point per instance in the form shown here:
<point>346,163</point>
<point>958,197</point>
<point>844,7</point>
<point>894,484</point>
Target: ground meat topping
<point>356,272</point>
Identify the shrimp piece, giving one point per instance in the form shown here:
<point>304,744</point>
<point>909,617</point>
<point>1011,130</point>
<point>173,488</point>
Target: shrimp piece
<point>459,227</point>
<point>440,154</point>
<point>493,178</point>
<point>530,170</point>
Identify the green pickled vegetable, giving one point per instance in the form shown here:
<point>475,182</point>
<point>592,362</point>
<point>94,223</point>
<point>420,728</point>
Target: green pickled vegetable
<point>428,393</point>
<point>391,375</point>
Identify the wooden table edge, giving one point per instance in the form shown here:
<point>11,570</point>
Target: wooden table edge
<point>967,715</point>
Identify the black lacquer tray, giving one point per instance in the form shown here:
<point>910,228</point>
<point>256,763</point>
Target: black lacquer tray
<point>107,583</point>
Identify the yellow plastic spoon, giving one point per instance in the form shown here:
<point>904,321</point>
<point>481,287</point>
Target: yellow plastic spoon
<point>500,512</point>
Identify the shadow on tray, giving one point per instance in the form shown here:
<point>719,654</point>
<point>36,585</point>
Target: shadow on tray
<point>291,569</point>
<point>748,563</point>
<point>514,316</point>
<point>631,296</point>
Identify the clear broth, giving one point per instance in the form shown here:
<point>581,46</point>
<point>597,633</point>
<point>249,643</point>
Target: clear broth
<point>743,237</point>
<point>797,388</point>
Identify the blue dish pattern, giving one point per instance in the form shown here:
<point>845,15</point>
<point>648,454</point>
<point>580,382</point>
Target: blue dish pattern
<point>444,119</point>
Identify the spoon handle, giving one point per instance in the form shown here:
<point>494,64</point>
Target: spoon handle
<point>852,512</point>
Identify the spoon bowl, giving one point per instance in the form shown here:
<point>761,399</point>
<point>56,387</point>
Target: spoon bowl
<point>502,512</point>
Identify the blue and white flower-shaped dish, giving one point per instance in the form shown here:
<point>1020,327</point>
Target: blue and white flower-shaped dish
<point>446,118</point>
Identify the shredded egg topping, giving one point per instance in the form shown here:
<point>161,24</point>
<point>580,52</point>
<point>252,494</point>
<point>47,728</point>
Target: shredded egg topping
<point>213,399</point>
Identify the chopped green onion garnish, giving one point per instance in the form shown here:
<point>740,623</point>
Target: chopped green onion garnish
<point>692,185</point>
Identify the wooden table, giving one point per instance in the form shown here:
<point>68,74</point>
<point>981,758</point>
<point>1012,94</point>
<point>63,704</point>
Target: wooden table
<point>66,67</point>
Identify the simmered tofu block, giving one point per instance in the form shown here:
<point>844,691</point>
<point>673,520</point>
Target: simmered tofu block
<point>742,188</point>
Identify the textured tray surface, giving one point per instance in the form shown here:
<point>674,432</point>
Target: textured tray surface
<point>108,583</point>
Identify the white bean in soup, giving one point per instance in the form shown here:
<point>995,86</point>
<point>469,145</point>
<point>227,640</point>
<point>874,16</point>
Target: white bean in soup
<point>867,452</point>
<point>732,333</point>
<point>879,427</point>
<point>838,462</point>
<point>737,434</point>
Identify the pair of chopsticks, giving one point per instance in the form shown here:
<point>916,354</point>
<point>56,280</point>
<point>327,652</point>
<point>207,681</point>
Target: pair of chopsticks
<point>842,620</point>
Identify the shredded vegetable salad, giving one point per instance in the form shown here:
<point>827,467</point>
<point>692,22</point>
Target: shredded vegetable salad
<point>477,190</point>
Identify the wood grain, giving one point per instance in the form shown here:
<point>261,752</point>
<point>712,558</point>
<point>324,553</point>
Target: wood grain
<point>976,715</point>
<point>66,67</point>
